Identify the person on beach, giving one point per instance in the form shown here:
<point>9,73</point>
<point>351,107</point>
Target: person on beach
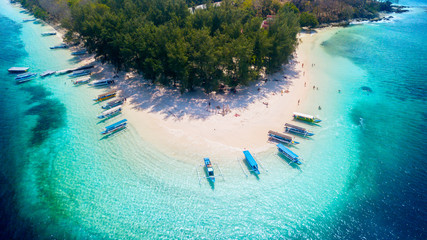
<point>317,88</point>
<point>320,108</point>
<point>298,101</point>
<point>314,87</point>
<point>305,84</point>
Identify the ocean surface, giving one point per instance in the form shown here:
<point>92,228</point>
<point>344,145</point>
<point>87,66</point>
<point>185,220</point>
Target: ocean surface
<point>363,174</point>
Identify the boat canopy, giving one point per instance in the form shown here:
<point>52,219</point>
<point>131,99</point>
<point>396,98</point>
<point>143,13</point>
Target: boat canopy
<point>114,125</point>
<point>111,110</point>
<point>280,135</point>
<point>303,115</point>
<point>250,159</point>
<point>287,151</point>
<point>296,127</point>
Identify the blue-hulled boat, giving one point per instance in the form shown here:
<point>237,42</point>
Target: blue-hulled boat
<point>297,130</point>
<point>115,127</point>
<point>281,137</point>
<point>62,45</point>
<point>113,103</point>
<point>81,52</point>
<point>288,153</point>
<point>25,77</point>
<point>48,33</point>
<point>80,73</point>
<point>251,161</point>
<point>209,169</point>
<point>111,112</point>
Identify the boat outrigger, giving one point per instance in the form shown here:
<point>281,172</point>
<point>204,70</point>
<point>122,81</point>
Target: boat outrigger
<point>113,103</point>
<point>281,137</point>
<point>251,161</point>
<point>105,96</point>
<point>209,169</point>
<point>18,69</point>
<point>102,82</point>
<point>111,112</point>
<point>298,130</point>
<point>288,153</point>
<point>306,117</point>
<point>115,127</point>
<point>80,73</point>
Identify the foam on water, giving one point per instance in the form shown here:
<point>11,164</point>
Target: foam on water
<point>70,183</point>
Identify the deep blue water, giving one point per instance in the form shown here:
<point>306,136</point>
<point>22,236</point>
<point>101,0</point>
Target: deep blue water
<point>383,197</point>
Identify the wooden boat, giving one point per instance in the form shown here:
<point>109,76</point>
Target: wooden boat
<point>18,69</point>
<point>298,130</point>
<point>25,77</point>
<point>113,103</point>
<point>62,45</point>
<point>251,161</point>
<point>47,73</point>
<point>115,127</point>
<point>48,33</point>
<point>102,82</point>
<point>80,81</point>
<point>110,112</point>
<point>81,52</point>
<point>209,169</point>
<point>281,137</point>
<point>105,96</point>
<point>288,153</point>
<point>306,117</point>
<point>79,73</point>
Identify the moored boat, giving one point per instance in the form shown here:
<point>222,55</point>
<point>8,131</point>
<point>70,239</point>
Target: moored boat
<point>115,127</point>
<point>81,52</point>
<point>113,103</point>
<point>298,130</point>
<point>80,81</point>
<point>47,73</point>
<point>251,161</point>
<point>102,82</point>
<point>105,96</point>
<point>306,117</point>
<point>79,73</point>
<point>29,20</point>
<point>110,112</point>
<point>288,154</point>
<point>48,33</point>
<point>25,77</point>
<point>209,169</point>
<point>281,137</point>
<point>62,45</point>
<point>18,69</point>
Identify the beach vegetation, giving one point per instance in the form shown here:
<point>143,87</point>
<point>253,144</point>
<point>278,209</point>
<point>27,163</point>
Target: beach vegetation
<point>308,20</point>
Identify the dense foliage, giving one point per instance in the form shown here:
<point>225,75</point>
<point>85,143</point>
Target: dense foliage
<point>162,40</point>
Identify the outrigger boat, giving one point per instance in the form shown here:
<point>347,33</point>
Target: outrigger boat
<point>209,169</point>
<point>25,77</point>
<point>111,112</point>
<point>105,96</point>
<point>83,67</point>
<point>113,103</point>
<point>102,82</point>
<point>298,130</point>
<point>281,137</point>
<point>29,19</point>
<point>81,52</point>
<point>306,117</point>
<point>47,73</point>
<point>79,73</point>
<point>48,33</point>
<point>115,127</point>
<point>62,45</point>
<point>288,154</point>
<point>80,81</point>
<point>251,161</point>
<point>18,69</point>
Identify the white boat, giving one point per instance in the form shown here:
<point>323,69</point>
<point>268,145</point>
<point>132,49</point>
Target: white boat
<point>47,73</point>
<point>18,69</point>
<point>102,82</point>
<point>80,81</point>
<point>110,112</point>
<point>80,73</point>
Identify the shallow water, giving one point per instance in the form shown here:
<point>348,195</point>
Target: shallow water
<point>363,173</point>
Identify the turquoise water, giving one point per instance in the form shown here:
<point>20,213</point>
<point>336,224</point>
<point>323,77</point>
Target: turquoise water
<point>363,174</point>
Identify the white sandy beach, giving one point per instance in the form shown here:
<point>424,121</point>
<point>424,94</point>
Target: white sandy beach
<point>185,127</point>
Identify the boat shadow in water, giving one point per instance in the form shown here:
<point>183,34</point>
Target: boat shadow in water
<point>289,162</point>
<point>116,133</point>
<point>108,118</point>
